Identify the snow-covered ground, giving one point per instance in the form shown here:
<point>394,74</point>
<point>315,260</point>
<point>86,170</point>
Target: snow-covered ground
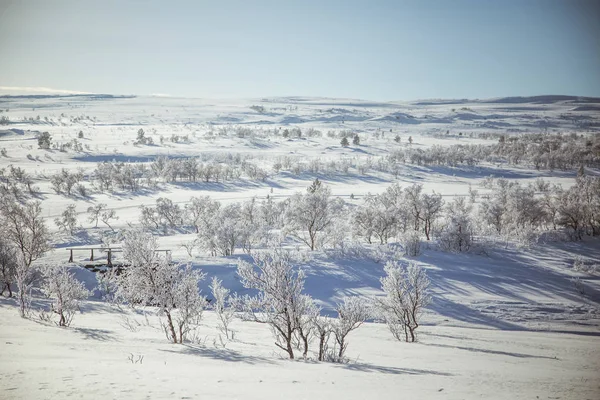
<point>504,323</point>
<point>97,358</point>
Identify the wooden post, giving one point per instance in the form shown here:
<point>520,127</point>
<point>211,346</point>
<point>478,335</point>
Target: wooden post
<point>71,257</point>
<point>92,257</point>
<point>109,261</point>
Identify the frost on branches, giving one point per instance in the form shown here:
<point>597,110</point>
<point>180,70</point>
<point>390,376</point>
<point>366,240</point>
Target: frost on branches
<point>279,302</point>
<point>65,290</point>
<point>406,294</point>
<point>221,306</point>
<point>155,281</point>
<point>310,217</point>
<point>352,312</point>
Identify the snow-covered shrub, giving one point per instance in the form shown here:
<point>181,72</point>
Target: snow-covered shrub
<point>411,243</point>
<point>457,235</point>
<point>580,265</point>
<point>578,285</point>
<point>406,294</point>
<point>44,140</point>
<point>220,304</point>
<point>65,291</point>
<point>107,284</point>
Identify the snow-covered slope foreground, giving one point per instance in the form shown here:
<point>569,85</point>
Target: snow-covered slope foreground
<point>512,249</point>
<point>101,358</point>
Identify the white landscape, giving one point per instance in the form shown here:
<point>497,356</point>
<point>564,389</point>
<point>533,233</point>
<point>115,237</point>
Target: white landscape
<point>491,207</point>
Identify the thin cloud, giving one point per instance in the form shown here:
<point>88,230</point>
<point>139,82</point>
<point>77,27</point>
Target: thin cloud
<point>36,90</point>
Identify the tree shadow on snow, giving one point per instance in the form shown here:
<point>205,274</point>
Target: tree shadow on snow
<point>220,354</point>
<point>360,367</point>
<point>464,313</point>
<point>102,335</point>
<point>488,351</point>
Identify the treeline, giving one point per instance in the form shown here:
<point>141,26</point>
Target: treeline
<point>408,215</point>
<point>539,151</point>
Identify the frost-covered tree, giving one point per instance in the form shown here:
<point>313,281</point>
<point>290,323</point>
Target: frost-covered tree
<point>169,213</point>
<point>199,212</point>
<point>224,311</point>
<point>25,277</point>
<point>153,280</point>
<point>106,216</point>
<point>65,290</point>
<point>344,142</point>
<point>406,294</point>
<point>24,227</point>
<point>67,222</point>
<point>279,302</point>
<point>432,206</point>
<point>571,212</point>
<point>377,217</point>
<point>323,329</point>
<point>411,243</point>
<point>457,234</point>
<point>305,327</point>
<point>309,216</point>
<point>352,312</point>
<point>94,213</point>
<point>412,198</point>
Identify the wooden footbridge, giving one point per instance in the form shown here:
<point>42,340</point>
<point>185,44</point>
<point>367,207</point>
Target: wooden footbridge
<point>96,264</point>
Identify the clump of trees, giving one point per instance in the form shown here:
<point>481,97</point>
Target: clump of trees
<point>65,181</point>
<point>15,182</point>
<point>293,317</point>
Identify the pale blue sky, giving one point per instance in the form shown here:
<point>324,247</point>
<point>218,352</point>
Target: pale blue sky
<point>380,50</point>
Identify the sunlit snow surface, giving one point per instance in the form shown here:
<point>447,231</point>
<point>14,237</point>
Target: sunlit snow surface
<point>505,323</point>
